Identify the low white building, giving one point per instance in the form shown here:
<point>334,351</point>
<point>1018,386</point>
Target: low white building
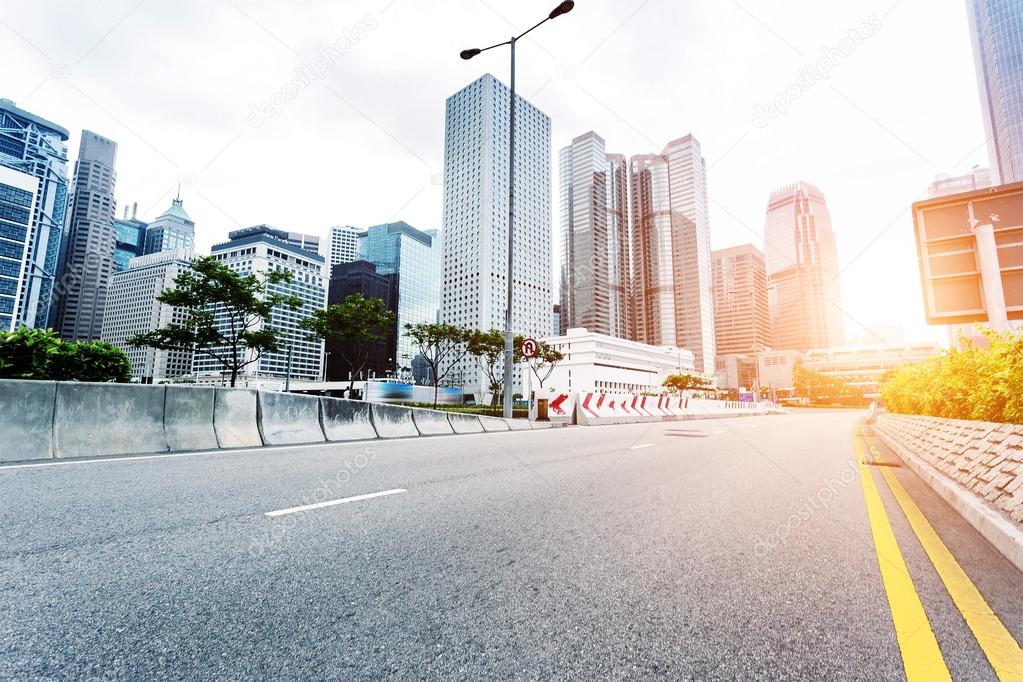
<point>132,308</point>
<point>598,362</point>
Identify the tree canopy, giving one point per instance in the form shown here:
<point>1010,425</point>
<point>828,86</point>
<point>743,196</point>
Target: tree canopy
<point>676,383</point>
<point>356,323</point>
<point>41,354</point>
<point>441,346</point>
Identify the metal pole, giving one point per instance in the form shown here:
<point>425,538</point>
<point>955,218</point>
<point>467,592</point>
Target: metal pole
<point>287,377</point>
<point>509,335</point>
<point>990,272</point>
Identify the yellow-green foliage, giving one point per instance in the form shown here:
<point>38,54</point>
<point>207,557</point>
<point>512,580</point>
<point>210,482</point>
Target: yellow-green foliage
<point>974,383</point>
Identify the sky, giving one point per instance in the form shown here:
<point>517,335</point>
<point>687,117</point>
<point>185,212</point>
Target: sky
<point>309,114</point>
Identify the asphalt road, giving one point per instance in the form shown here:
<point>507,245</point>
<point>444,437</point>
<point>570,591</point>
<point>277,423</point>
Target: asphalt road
<point>735,549</point>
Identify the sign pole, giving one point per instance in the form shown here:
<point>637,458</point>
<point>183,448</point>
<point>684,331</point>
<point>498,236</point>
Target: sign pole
<point>990,271</point>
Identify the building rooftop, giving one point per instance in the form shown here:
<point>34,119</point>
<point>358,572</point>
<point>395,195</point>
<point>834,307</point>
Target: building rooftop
<point>8,105</point>
<point>176,210</point>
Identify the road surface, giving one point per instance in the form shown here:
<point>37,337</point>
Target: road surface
<point>736,549</point>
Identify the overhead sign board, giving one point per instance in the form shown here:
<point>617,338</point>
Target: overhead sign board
<point>947,252</point>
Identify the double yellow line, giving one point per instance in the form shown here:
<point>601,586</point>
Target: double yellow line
<point>921,656</point>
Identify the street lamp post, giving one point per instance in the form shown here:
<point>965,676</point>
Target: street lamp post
<point>509,335</point>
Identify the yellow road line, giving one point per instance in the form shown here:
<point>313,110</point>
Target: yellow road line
<point>1001,649</point>
<point>921,656</point>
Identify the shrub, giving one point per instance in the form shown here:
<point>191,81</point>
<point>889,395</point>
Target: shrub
<point>41,354</point>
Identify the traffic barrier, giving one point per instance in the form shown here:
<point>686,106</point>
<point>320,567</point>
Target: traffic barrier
<point>97,419</point>
<point>518,424</point>
<point>465,423</point>
<point>26,419</point>
<point>540,425</point>
<point>346,419</point>
<point>235,418</point>
<point>494,424</point>
<point>393,421</point>
<point>432,422</point>
<point>188,418</point>
<point>561,408</point>
<point>289,418</point>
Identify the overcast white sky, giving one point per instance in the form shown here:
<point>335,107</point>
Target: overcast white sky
<point>175,83</point>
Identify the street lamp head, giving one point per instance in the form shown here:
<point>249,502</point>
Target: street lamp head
<point>469,54</point>
<point>563,8</point>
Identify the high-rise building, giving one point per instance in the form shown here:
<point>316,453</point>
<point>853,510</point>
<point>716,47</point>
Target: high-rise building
<point>173,230</point>
<point>362,277</point>
<point>802,270</point>
<point>671,261</point>
<point>260,250</point>
<point>132,309</point>
<point>619,252</point>
<point>943,185</point>
<point>87,249</point>
<point>34,147</point>
<point>585,295</point>
<point>996,31</point>
<point>343,244</point>
<point>129,238</point>
<point>475,283</point>
<point>306,242</point>
<point>401,250</point>
<point>742,321</point>
<point>17,203</point>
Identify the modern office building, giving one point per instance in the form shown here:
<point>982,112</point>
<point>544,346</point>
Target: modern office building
<point>556,320</point>
<point>172,231</point>
<point>306,242</point>
<point>742,320</point>
<point>599,362</point>
<point>87,249</point>
<point>619,247</point>
<point>996,31</point>
<point>802,270</point>
<point>132,309</point>
<point>260,250</point>
<point>944,184</point>
<point>130,238</point>
<point>401,250</point>
<point>17,205</point>
<point>475,263</point>
<point>671,257</point>
<point>343,244</point>
<point>362,277</point>
<point>32,146</point>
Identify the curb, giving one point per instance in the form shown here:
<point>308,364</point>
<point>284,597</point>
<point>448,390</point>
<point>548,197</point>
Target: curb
<point>1002,533</point>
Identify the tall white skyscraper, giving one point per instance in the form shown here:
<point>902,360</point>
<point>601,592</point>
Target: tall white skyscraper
<point>476,216</point>
<point>996,31</point>
<point>343,244</point>
<point>671,256</point>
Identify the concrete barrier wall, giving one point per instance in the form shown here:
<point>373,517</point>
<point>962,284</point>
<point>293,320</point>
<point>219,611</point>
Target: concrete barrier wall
<point>346,419</point>
<point>393,421</point>
<point>465,423</point>
<point>432,422</point>
<point>95,419</point>
<point>26,419</point>
<point>235,417</point>
<point>289,418</point>
<point>188,418</point>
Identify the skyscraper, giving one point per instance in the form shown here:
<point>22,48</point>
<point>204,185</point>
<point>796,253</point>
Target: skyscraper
<point>344,244</point>
<point>996,31</point>
<point>802,270</point>
<point>475,265</point>
<point>34,147</point>
<point>618,246</point>
<point>671,261</point>
<point>742,321</point>
<point>130,238</point>
<point>361,277</point>
<point>87,250</point>
<point>401,250</point>
<point>132,309</point>
<point>173,230</point>
<point>585,296</point>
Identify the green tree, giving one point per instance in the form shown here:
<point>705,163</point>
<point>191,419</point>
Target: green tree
<point>227,314</point>
<point>441,346</point>
<point>41,354</point>
<point>355,324</point>
<point>546,359</point>
<point>676,383</point>
<point>488,349</point>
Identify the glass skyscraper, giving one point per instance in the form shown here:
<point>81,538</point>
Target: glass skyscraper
<point>130,240</point>
<point>400,249</point>
<point>173,230</point>
<point>33,148</point>
<point>996,31</point>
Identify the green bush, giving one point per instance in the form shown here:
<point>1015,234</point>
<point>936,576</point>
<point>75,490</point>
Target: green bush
<point>985,384</point>
<point>41,354</point>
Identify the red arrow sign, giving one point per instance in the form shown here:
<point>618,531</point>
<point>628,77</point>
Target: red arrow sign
<point>600,400</point>
<point>586,404</point>
<point>556,404</point>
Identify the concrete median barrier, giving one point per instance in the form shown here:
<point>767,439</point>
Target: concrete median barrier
<point>188,418</point>
<point>465,423</point>
<point>346,419</point>
<point>494,424</point>
<point>518,424</point>
<point>235,418</point>
<point>540,425</point>
<point>95,419</point>
<point>289,418</point>
<point>432,422</point>
<point>392,421</point>
<point>26,419</point>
